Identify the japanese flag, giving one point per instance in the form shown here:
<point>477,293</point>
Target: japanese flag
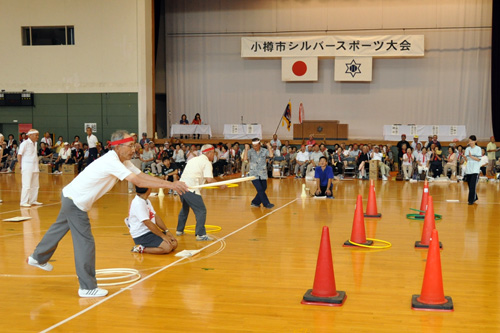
<point>353,69</point>
<point>299,69</point>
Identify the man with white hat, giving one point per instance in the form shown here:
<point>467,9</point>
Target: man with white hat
<point>198,170</point>
<point>28,162</point>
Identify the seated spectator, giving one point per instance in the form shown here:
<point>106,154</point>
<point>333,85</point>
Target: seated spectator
<point>423,162</point>
<point>324,151</point>
<point>323,175</point>
<point>179,157</point>
<point>402,145</point>
<point>63,157</point>
<point>75,141</point>
<point>363,160</point>
<point>23,137</point>
<point>292,152</point>
<point>144,140</point>
<point>77,156</point>
<point>169,170</point>
<point>147,157</point>
<point>451,163</point>
<point>47,139</point>
<point>153,148</point>
<point>276,141</point>
<point>461,162</point>
<point>311,142</point>
<point>314,158</point>
<point>483,162</point>
<point>192,152</point>
<point>408,159</point>
<point>245,166</point>
<point>44,154</point>
<point>146,228</point>
<point>222,158</point>
<point>4,154</point>
<point>436,163</point>
<point>301,161</point>
<point>169,152</point>
<point>12,159</point>
<point>11,141</point>
<point>184,121</point>
<point>58,146</point>
<point>388,156</point>
<point>196,121</point>
<point>376,155</point>
<point>337,161</point>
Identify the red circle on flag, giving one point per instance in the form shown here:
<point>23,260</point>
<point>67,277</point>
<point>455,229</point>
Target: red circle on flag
<point>299,68</point>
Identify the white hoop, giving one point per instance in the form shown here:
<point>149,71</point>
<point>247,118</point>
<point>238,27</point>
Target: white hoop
<point>129,273</point>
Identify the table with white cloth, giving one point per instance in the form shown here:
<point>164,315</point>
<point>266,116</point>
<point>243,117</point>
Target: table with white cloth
<point>178,129</point>
<point>242,131</point>
<point>444,132</point>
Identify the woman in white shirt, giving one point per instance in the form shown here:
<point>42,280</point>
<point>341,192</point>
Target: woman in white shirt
<point>423,162</point>
<point>408,163</point>
<point>451,163</point>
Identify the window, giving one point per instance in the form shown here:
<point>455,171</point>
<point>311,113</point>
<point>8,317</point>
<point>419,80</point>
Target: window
<point>59,35</point>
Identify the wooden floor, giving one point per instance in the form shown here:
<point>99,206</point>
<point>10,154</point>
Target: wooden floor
<point>253,278</point>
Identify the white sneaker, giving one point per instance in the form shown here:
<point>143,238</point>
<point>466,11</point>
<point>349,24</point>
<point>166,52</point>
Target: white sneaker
<point>9,170</point>
<point>46,267</point>
<point>204,238</point>
<point>97,292</point>
<point>1,201</point>
<point>179,233</point>
<point>25,205</point>
<point>384,177</point>
<point>37,203</point>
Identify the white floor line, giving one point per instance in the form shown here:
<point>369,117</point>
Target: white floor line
<point>158,271</point>
<point>34,207</point>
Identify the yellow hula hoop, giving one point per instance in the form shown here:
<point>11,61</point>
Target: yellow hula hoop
<point>386,246</point>
<point>190,229</point>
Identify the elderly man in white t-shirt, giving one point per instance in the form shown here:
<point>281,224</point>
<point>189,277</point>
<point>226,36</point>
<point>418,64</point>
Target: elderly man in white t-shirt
<point>77,199</point>
<point>28,161</point>
<point>376,155</point>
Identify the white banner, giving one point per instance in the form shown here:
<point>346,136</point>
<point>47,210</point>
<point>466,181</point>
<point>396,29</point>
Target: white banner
<point>353,69</point>
<point>299,69</point>
<point>333,46</point>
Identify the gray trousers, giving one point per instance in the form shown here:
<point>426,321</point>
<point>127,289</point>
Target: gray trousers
<point>195,202</point>
<point>71,218</point>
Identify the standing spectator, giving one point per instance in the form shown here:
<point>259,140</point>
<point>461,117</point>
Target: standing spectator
<point>75,141</point>
<point>144,140</point>
<point>184,121</point>
<point>310,143</point>
<point>402,144</point>
<point>196,121</point>
<point>92,142</point>
<point>491,149</point>
<point>415,143</point>
<point>28,162</point>
<point>473,155</point>
<point>257,159</point>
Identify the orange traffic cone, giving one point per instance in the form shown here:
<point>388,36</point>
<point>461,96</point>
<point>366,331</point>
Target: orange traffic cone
<point>358,234</point>
<point>432,296</point>
<point>371,207</point>
<point>429,225</point>
<point>324,290</point>
<point>425,196</point>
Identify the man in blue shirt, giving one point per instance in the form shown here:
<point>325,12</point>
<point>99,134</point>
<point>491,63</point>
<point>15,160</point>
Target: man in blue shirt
<point>258,168</point>
<point>324,177</point>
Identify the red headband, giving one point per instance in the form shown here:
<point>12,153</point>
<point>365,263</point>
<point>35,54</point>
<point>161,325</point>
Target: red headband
<point>119,142</point>
<point>207,149</point>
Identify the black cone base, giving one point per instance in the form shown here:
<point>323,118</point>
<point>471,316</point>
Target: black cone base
<point>326,301</point>
<point>416,305</point>
<point>368,243</point>
<point>419,245</point>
